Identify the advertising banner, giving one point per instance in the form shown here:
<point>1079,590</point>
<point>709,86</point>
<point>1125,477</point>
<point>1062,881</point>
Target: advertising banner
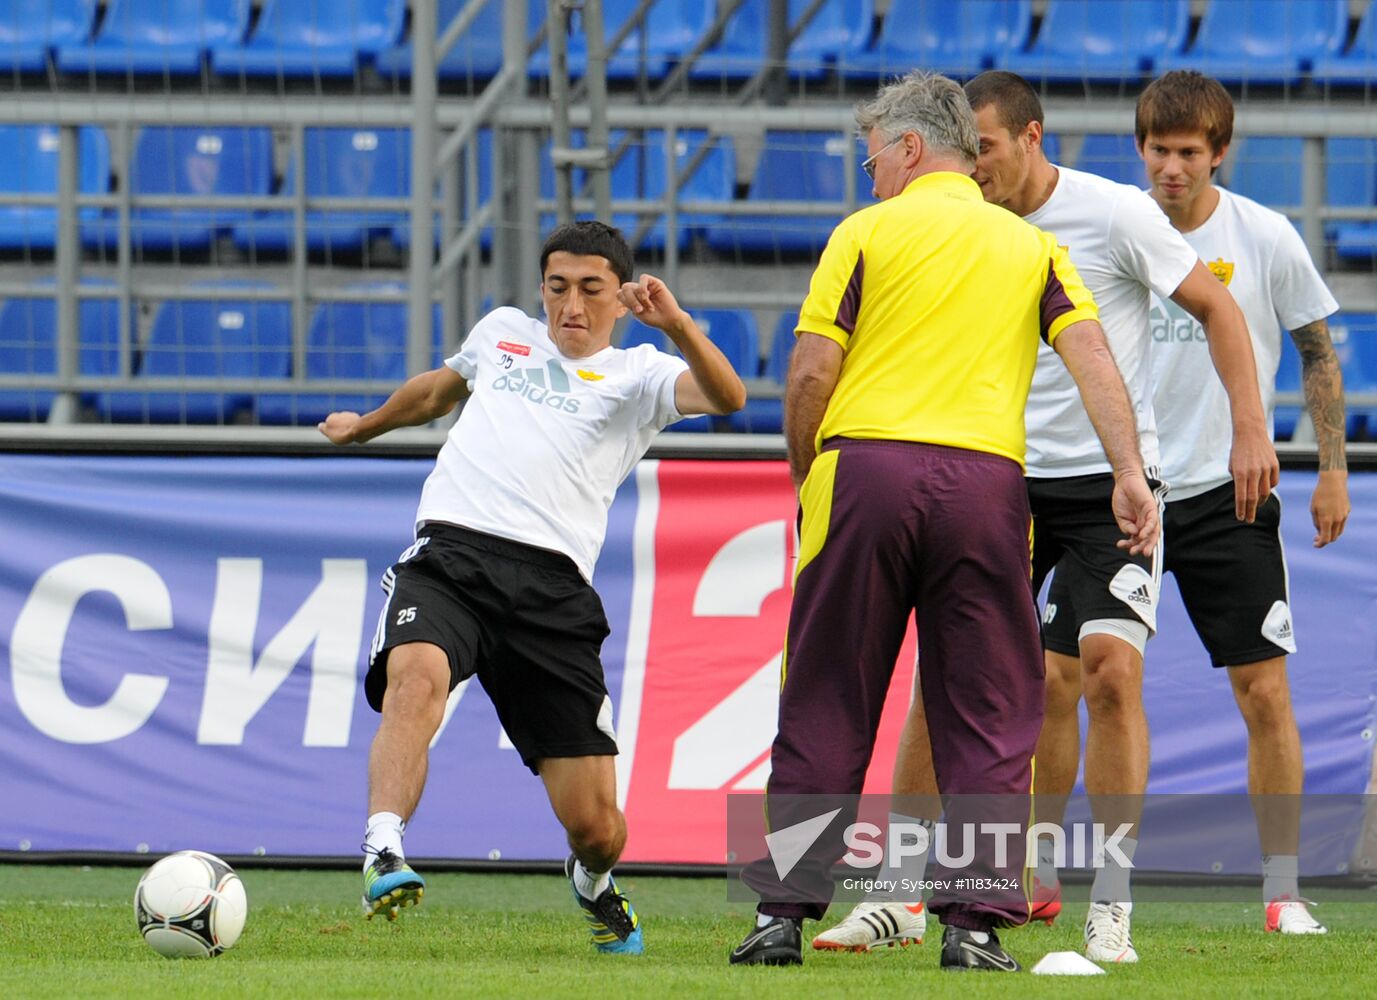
<point>185,639</point>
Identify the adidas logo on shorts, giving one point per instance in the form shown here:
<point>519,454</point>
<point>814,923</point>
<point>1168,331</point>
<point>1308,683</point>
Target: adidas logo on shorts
<point>1276,628</point>
<point>1140,596</point>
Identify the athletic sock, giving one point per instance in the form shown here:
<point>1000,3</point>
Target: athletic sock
<point>1280,876</point>
<point>761,919</point>
<point>911,870</point>
<point>384,833</point>
<point>1047,861</point>
<point>1111,881</point>
<point>590,885</point>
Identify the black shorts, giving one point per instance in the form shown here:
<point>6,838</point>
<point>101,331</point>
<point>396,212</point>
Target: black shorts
<point>1074,531</point>
<point>1232,576</point>
<point>520,617</point>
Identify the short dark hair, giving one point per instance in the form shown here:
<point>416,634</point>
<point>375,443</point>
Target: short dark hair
<point>1185,101</point>
<point>590,239</point>
<point>1014,98</point>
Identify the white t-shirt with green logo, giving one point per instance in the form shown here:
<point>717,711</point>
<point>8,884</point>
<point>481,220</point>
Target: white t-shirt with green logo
<point>543,443</point>
<point>1264,263</point>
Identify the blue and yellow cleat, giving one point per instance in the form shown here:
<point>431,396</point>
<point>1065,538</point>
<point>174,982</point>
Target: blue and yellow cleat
<point>612,921</point>
<point>389,884</point>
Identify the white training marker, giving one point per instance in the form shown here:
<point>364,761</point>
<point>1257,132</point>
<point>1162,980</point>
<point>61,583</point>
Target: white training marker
<point>1066,963</point>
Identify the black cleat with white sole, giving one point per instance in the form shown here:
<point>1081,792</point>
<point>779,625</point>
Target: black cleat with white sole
<point>780,942</point>
<point>979,951</point>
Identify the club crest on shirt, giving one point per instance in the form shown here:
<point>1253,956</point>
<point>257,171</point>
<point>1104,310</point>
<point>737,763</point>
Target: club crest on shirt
<point>588,376</point>
<point>1222,269</point>
<point>511,348</point>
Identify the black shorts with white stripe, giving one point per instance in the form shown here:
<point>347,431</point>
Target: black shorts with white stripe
<point>1074,531</point>
<point>519,617</point>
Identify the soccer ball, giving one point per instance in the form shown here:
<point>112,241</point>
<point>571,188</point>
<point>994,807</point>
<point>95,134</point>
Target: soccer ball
<point>190,905</point>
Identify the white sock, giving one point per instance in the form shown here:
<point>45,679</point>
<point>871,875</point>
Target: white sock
<point>590,884</point>
<point>912,868</point>
<point>761,919</point>
<point>1047,861</point>
<point>1111,881</point>
<point>1280,876</point>
<point>384,833</point>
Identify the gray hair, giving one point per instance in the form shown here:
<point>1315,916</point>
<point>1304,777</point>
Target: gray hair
<point>927,103</point>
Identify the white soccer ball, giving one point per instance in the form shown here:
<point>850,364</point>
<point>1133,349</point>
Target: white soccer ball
<point>190,905</point>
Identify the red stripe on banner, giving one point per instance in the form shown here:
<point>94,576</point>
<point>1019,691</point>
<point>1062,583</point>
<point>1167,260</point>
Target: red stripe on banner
<point>724,555</point>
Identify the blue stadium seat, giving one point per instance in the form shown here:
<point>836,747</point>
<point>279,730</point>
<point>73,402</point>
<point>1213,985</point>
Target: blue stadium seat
<point>401,233</point>
<point>1051,146</point>
<point>30,167</point>
<point>838,30</point>
<point>222,335</point>
<point>1355,341</point>
<point>314,38</point>
<point>671,28</point>
<point>640,171</point>
<point>793,166</point>
<point>958,39</point>
<point>736,336</point>
<point>1351,173</point>
<point>1112,156</point>
<point>636,333</point>
<point>1358,65</point>
<point>1092,40</point>
<point>157,36</point>
<point>1268,169</point>
<point>1263,41</point>
<point>475,55</point>
<point>766,416</point>
<point>734,332</point>
<point>28,346</point>
<point>31,29</point>
<point>340,163</point>
<point>350,340</point>
<point>214,162</point>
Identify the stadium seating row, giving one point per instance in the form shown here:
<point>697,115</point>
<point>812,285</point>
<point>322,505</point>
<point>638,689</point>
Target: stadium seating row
<point>1259,41</point>
<point>226,335</point>
<point>375,163</point>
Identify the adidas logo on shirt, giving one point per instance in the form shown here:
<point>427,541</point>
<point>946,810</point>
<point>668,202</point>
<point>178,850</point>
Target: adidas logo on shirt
<point>547,386</point>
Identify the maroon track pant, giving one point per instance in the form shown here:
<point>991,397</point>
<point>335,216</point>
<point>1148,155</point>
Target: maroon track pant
<point>889,528</point>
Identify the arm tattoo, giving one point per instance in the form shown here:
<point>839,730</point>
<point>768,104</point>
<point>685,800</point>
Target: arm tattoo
<point>1323,383</point>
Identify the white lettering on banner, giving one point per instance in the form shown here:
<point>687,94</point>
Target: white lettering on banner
<point>743,573</point>
<point>738,730</point>
<point>40,632</point>
<point>330,622</point>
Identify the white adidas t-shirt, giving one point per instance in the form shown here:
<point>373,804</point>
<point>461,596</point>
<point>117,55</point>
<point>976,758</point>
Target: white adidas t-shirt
<point>1263,261</point>
<point>541,446</point>
<point>1122,245</point>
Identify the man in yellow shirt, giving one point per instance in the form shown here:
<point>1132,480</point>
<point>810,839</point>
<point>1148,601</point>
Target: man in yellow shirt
<point>904,422</point>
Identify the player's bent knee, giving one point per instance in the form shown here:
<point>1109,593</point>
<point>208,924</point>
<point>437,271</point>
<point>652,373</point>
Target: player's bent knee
<point>597,834</point>
<point>418,677</point>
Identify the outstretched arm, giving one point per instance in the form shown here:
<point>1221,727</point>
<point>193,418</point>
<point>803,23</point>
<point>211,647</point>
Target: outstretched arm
<point>1323,382</point>
<point>710,385</point>
<point>421,399</point>
<point>1253,459</point>
<point>1086,353</point>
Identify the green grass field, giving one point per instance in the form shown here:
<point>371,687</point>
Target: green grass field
<point>70,932</point>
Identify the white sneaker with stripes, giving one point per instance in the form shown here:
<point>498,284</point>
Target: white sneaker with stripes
<point>1107,933</point>
<point>870,925</point>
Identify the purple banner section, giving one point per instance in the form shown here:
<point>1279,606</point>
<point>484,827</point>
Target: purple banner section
<point>185,641</point>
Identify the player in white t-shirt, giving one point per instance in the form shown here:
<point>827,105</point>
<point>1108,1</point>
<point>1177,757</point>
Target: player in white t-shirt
<point>510,523</point>
<point>1125,249</point>
<point>1233,576</point>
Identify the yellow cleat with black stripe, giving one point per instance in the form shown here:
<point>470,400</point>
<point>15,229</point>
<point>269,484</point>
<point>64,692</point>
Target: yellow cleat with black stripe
<point>612,921</point>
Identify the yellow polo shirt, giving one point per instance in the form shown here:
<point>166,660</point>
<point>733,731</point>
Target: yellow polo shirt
<point>939,299</point>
